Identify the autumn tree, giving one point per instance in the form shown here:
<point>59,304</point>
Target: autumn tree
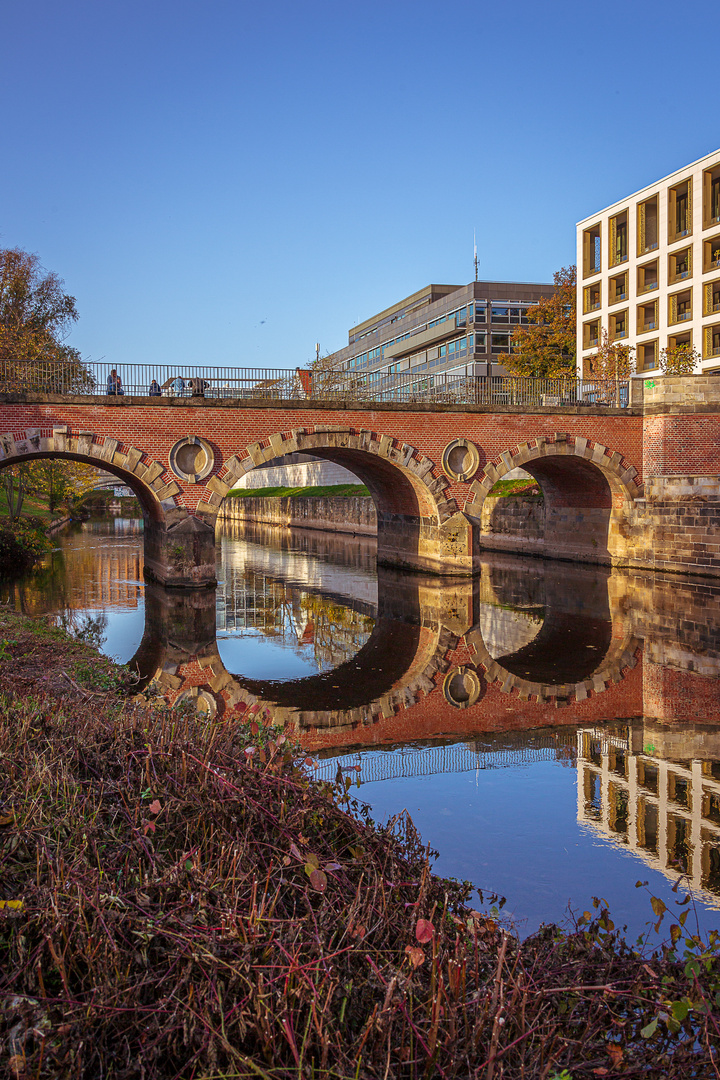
<point>546,348</point>
<point>36,315</point>
<point>613,360</point>
<point>679,359</point>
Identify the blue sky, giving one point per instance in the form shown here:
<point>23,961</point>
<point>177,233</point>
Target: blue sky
<point>226,183</point>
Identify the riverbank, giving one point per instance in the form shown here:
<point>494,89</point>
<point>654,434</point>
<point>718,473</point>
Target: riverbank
<point>179,897</point>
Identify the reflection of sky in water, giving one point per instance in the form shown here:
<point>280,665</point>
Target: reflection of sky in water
<point>514,830</point>
<point>259,657</point>
<point>124,632</point>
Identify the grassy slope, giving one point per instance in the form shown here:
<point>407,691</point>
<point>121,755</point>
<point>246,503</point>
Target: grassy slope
<point>342,490</point>
<point>179,898</point>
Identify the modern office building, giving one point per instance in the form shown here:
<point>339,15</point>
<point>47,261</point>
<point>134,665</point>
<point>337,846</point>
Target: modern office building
<point>442,328</point>
<point>649,269</point>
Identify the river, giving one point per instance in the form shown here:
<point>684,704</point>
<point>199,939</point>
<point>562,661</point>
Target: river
<point>552,730</point>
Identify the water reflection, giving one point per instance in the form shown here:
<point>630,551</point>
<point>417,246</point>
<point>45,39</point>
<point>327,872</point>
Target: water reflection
<point>546,725</point>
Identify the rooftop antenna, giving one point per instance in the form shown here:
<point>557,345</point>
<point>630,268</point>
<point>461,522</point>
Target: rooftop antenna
<point>475,247</point>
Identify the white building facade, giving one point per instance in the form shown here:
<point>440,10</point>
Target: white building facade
<point>649,270</point>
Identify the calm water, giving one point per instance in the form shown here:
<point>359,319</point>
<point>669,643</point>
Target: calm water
<point>553,731</point>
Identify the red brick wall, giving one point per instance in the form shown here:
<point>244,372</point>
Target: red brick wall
<point>155,427</point>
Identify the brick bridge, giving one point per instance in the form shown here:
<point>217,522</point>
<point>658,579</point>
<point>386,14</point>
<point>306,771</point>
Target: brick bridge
<point>633,486</point>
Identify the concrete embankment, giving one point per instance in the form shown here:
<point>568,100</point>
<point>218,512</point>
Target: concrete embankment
<point>354,515</point>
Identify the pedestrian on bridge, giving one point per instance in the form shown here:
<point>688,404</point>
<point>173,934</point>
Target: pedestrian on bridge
<point>114,383</point>
<point>154,390</point>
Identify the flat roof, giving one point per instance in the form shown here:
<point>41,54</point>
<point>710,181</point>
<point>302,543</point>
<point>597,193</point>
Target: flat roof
<point>426,294</point>
<point>648,187</point>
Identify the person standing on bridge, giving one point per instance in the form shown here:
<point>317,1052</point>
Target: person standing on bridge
<point>114,384</point>
<point>154,390</point>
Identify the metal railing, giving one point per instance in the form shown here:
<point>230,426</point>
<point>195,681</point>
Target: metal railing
<point>375,765</point>
<point>285,384</point>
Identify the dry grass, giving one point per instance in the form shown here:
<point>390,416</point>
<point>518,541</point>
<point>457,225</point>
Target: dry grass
<point>186,902</point>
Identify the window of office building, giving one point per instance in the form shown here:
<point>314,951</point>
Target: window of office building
<point>711,297</point>
<point>647,277</point>
<point>680,211</point>
<point>618,288</point>
<point>479,314</point>
<point>647,356</point>
<point>500,315</point>
<point>711,341</point>
<point>591,297</point>
<point>680,307</point>
<point>711,196</point>
<point>480,340</point>
<point>591,334</point>
<point>591,251</point>
<point>619,238</point>
<point>647,317</point>
<point>618,325</point>
<point>500,343</point>
<point>647,225</point>
<point>711,253</point>
<point>679,265</point>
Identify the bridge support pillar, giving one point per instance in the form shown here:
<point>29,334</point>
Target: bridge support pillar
<point>449,549</point>
<point>181,556</point>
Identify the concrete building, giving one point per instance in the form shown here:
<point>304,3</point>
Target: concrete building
<point>649,269</point>
<point>442,328</point>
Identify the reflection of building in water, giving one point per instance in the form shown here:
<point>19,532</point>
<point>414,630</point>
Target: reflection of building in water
<point>295,616</point>
<point>665,809</point>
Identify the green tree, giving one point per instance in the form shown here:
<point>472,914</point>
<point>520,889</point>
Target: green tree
<point>36,315</point>
<point>547,347</point>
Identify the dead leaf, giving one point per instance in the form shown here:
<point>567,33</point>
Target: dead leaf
<point>312,861</point>
<point>415,956</point>
<point>12,905</point>
<point>356,930</point>
<point>295,852</point>
<point>149,827</point>
<point>616,1054</point>
<point>154,807</point>
<point>333,866</point>
<point>318,880</point>
<point>424,931</point>
<point>254,728</point>
<point>7,819</point>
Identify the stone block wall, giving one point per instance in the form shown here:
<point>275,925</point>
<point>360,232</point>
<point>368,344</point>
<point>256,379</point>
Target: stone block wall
<point>355,515</point>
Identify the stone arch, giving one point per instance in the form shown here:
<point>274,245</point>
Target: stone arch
<point>418,525</point>
<point>589,492</point>
<point>179,550</point>
<point>622,655</point>
<point>157,497</point>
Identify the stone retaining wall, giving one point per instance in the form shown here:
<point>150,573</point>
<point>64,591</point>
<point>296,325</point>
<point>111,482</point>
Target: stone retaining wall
<point>355,515</point>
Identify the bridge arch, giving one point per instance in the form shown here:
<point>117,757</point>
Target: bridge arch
<point>145,478</point>
<point>589,492</point>
<point>418,525</point>
<point>179,550</point>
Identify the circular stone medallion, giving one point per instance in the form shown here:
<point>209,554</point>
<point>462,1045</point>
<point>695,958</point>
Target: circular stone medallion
<point>460,459</point>
<point>192,459</point>
<point>462,687</point>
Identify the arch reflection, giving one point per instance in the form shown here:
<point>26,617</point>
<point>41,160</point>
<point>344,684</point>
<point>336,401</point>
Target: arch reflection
<point>426,649</point>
